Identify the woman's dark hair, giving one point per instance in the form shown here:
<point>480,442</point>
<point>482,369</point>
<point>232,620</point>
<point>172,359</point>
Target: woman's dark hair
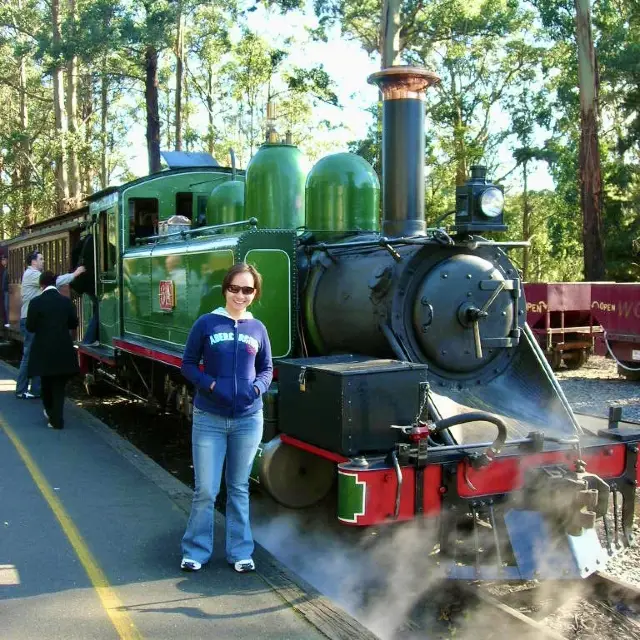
<point>243,267</point>
<point>47,279</point>
<point>33,256</point>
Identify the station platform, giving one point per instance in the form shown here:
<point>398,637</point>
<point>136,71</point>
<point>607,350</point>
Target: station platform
<point>90,530</point>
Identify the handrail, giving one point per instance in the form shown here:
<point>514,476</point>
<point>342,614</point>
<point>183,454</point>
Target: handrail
<point>251,221</point>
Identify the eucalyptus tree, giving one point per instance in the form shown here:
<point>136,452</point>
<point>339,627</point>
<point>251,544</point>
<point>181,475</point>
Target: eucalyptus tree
<point>102,42</point>
<point>481,51</point>
<point>208,45</point>
<point>71,104</point>
<point>568,23</point>
<point>27,140</point>
<point>553,257</point>
<point>527,108</point>
<point>607,178</point>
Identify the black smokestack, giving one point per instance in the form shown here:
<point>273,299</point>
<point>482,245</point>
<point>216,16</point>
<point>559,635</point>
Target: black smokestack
<point>403,90</point>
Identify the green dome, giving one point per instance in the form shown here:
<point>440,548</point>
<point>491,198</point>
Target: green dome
<point>343,194</point>
<point>275,186</point>
<point>226,203</point>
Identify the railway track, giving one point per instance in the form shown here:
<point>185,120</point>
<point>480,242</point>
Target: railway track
<point>552,611</point>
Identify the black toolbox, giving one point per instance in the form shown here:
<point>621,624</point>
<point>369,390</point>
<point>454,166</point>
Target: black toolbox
<point>346,403</point>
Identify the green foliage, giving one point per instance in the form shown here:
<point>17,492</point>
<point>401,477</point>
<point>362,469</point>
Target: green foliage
<point>556,247</point>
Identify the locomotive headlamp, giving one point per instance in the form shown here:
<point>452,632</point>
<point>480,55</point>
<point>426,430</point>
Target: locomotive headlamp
<point>479,204</point>
<point>492,202</point>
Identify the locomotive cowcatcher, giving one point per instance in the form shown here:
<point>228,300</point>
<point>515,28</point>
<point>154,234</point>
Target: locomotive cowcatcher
<point>406,373</point>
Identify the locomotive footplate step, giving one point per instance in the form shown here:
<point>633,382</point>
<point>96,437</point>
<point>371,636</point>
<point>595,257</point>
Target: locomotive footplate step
<point>104,354</point>
<point>90,546</point>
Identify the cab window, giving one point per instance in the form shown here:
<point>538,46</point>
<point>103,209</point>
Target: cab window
<point>184,204</point>
<point>143,218</point>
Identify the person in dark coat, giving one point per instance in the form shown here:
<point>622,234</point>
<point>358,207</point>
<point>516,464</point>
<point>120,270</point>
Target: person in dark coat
<point>51,317</point>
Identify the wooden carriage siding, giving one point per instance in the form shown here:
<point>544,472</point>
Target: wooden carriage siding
<point>55,239</point>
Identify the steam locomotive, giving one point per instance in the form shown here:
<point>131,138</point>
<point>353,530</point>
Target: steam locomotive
<point>405,371</point>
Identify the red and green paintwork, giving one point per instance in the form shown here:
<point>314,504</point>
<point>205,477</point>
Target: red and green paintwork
<point>367,496</point>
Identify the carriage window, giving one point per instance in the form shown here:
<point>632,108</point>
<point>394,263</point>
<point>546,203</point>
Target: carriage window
<point>184,205</point>
<point>55,257</point>
<point>143,218</point>
<point>64,258</point>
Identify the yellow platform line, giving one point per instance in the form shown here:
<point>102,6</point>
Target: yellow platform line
<point>110,601</point>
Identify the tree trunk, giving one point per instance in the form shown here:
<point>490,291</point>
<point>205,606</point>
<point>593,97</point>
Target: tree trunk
<point>104,110</point>
<point>72,113</point>
<point>179,77</point>
<point>24,162</point>
<point>590,172</point>
<point>169,122</point>
<point>87,169</point>
<point>460,147</point>
<point>188,139</point>
<point>153,114</point>
<point>526,220</point>
<point>3,219</point>
<point>62,186</point>
<point>211,130</point>
<point>390,33</point>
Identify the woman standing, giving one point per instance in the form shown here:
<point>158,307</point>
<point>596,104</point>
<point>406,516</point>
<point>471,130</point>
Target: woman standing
<point>227,416</point>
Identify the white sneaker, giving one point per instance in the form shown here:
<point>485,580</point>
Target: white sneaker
<point>244,566</point>
<point>7,326</point>
<point>188,564</point>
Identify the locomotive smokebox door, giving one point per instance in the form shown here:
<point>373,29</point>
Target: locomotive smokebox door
<point>347,403</point>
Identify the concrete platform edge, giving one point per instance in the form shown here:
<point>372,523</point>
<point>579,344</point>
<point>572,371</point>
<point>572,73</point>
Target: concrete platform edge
<point>316,609</point>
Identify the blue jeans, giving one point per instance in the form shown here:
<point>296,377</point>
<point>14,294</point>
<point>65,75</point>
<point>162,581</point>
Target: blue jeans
<point>92,328</point>
<point>22,384</point>
<point>214,438</point>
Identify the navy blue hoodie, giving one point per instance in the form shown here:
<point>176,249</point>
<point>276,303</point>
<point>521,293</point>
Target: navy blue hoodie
<point>236,356</point>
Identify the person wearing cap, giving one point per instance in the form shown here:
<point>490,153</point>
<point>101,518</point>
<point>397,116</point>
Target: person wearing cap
<point>30,290</point>
<point>50,319</point>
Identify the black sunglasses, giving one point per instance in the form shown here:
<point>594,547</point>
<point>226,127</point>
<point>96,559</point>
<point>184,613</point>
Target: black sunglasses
<point>247,291</point>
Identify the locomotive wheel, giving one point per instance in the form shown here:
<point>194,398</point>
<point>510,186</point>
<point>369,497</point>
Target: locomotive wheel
<point>555,359</point>
<point>575,359</point>
<point>95,388</point>
<point>293,477</point>
<point>629,375</point>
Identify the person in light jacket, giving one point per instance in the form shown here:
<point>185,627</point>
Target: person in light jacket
<point>227,416</point>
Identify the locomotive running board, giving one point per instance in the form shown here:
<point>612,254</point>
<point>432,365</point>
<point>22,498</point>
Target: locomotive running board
<point>142,349</point>
<point>102,354</point>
